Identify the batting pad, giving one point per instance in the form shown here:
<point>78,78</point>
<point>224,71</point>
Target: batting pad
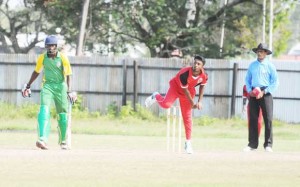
<point>44,123</point>
<point>62,127</point>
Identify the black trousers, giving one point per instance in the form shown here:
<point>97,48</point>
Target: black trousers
<point>266,104</point>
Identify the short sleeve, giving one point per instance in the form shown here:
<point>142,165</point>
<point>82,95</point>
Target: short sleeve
<point>66,65</point>
<point>39,63</point>
<point>204,79</point>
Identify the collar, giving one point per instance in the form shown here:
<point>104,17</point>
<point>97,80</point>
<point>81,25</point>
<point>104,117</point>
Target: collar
<point>201,71</point>
<point>266,60</point>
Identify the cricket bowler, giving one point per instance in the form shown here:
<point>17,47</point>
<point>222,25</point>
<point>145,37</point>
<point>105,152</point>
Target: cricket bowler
<point>182,86</point>
<point>56,88</point>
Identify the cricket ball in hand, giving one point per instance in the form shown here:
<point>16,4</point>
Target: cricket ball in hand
<point>256,91</point>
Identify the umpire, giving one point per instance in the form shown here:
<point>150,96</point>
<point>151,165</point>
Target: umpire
<point>261,75</point>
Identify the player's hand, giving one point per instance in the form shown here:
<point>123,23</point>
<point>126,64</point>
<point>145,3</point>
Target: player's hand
<point>260,95</point>
<point>26,92</point>
<point>194,106</point>
<point>199,105</point>
<point>252,94</point>
<point>72,96</point>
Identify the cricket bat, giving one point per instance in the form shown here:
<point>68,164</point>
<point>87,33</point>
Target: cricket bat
<point>69,129</point>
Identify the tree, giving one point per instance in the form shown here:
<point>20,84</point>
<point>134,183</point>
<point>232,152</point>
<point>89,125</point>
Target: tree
<point>67,15</point>
<point>280,23</point>
<point>30,20</point>
<point>188,25</point>
<point>193,26</point>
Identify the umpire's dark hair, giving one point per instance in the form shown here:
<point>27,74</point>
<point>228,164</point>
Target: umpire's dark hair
<point>201,58</point>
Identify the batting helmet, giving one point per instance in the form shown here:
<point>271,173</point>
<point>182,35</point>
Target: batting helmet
<point>51,40</point>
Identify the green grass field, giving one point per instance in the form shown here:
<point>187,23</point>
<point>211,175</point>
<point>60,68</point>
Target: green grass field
<point>133,152</point>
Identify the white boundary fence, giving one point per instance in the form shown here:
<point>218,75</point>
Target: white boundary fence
<point>103,81</point>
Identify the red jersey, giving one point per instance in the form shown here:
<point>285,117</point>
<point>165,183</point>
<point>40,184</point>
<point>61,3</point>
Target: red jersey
<point>185,79</point>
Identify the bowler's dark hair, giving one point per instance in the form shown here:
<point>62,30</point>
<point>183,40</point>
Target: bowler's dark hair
<point>201,58</point>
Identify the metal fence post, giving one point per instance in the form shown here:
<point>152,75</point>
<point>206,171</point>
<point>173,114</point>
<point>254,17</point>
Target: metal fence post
<point>135,83</point>
<point>233,95</point>
<point>124,83</point>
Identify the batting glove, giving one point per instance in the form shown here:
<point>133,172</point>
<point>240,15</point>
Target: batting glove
<point>72,96</point>
<point>26,92</point>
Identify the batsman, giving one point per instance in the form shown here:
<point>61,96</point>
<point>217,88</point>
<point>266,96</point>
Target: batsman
<point>56,87</point>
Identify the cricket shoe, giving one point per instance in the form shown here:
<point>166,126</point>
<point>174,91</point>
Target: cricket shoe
<point>150,100</point>
<point>268,149</point>
<point>42,145</point>
<point>188,147</point>
<point>63,146</point>
<point>248,149</point>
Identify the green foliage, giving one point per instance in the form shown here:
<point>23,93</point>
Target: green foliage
<point>246,38</point>
<point>28,18</point>
<point>278,123</point>
<point>281,31</point>
<point>5,108</point>
<point>145,114</point>
<point>79,111</point>
<point>204,121</point>
<point>161,25</point>
<point>112,110</point>
<point>127,111</point>
<point>29,110</point>
<point>115,116</point>
<point>10,111</point>
<point>78,105</point>
<point>210,121</point>
<point>232,122</point>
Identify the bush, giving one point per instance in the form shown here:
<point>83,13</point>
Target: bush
<point>29,110</point>
<point>112,110</point>
<point>127,111</point>
<point>145,114</point>
<point>11,111</point>
<point>204,121</point>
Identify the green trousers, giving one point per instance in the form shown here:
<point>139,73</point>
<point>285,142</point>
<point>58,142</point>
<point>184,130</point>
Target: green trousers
<point>57,93</point>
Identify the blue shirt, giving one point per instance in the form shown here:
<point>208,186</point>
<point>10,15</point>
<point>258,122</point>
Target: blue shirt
<point>262,74</point>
